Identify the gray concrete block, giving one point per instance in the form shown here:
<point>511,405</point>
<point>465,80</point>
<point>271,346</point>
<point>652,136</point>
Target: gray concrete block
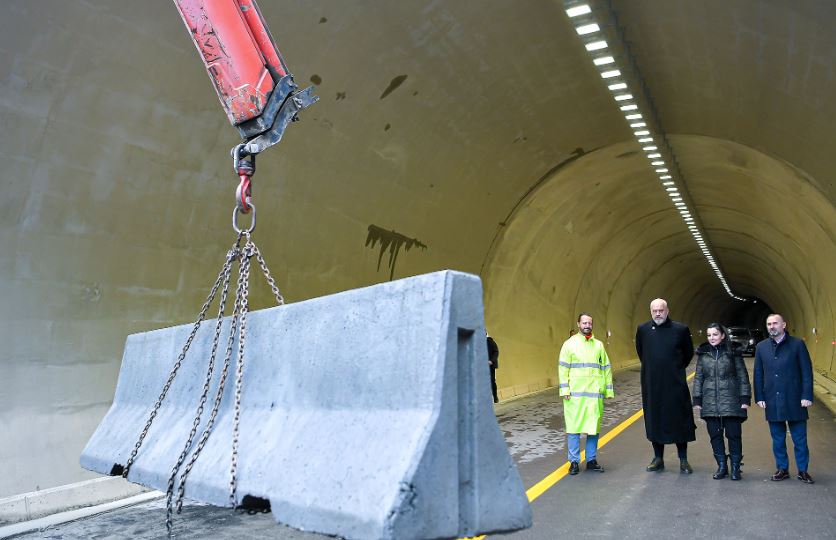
<point>365,414</point>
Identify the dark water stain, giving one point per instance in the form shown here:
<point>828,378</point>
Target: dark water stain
<point>340,96</point>
<point>393,85</point>
<point>323,20</point>
<point>627,154</point>
<point>387,127</point>
<point>316,79</point>
<point>392,241</point>
<point>415,93</point>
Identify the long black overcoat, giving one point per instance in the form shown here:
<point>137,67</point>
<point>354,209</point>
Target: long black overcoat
<point>665,350</point>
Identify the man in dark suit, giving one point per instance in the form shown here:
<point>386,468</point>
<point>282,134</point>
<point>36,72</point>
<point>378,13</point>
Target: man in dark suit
<point>493,360</point>
<point>665,350</point>
<point>784,387</point>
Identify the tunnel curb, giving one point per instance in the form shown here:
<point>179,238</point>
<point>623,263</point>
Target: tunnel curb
<point>825,391</point>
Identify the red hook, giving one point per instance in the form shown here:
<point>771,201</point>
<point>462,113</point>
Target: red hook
<point>244,191</point>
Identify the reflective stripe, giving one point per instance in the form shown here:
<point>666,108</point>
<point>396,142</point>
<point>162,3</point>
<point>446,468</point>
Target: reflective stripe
<point>564,385</point>
<point>584,365</point>
<point>587,394</point>
<point>609,387</point>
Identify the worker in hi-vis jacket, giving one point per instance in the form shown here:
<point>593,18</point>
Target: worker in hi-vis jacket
<point>585,377</point>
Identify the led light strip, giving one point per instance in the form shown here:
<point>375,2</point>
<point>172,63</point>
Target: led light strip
<point>638,112</point>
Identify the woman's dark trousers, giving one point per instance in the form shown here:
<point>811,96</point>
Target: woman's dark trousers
<point>733,429</point>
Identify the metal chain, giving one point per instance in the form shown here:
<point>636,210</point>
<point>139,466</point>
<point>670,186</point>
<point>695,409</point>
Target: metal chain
<point>249,250</point>
<point>231,256</point>
<point>224,270</point>
<point>243,256</point>
<point>204,437</point>
<point>266,272</point>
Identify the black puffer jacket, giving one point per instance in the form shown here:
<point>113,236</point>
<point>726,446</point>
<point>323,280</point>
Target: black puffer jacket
<point>721,382</point>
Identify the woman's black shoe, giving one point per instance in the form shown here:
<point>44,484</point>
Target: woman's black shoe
<point>722,467</point>
<point>736,463</point>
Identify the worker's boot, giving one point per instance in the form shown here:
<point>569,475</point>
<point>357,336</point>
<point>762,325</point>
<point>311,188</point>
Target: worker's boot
<point>736,463</point>
<point>722,466</point>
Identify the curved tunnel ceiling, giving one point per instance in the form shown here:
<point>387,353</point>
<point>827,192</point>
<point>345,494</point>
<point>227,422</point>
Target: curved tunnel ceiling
<point>482,139</point>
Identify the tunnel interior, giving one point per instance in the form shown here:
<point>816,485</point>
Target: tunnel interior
<point>481,140</point>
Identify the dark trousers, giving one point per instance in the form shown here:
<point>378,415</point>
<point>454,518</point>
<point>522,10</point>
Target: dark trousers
<point>798,431</point>
<point>681,450</point>
<point>732,426</point>
<point>493,385</point>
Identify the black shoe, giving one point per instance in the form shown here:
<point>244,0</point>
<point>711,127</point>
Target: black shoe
<point>574,468</point>
<point>736,463</point>
<point>658,464</point>
<point>780,474</point>
<point>722,467</point>
<point>685,467</point>
<point>804,477</point>
<point>593,466</point>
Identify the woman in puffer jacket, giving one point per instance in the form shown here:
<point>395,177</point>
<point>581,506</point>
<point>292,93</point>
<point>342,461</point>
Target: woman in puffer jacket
<point>722,394</point>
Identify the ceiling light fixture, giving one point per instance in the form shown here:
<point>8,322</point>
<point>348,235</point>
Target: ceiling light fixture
<point>578,10</point>
<point>587,29</point>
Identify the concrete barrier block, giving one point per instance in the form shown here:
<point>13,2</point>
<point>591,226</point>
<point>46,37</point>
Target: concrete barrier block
<point>365,414</point>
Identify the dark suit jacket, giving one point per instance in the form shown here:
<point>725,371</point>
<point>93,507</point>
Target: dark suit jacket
<point>493,352</point>
<point>783,377</point>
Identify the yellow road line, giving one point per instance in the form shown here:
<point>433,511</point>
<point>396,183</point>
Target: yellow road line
<point>557,475</point>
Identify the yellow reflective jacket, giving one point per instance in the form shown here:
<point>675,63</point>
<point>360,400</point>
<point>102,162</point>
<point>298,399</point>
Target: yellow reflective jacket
<point>585,375</point>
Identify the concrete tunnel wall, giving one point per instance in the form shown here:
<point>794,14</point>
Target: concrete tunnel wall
<point>483,136</point>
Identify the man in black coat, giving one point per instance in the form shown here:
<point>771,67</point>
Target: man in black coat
<point>493,360</point>
<point>784,387</point>
<point>665,350</point>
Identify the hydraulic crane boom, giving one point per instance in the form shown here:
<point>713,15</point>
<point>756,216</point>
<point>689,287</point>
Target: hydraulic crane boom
<point>250,76</point>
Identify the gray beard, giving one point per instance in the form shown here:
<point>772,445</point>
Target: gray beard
<point>660,321</point>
